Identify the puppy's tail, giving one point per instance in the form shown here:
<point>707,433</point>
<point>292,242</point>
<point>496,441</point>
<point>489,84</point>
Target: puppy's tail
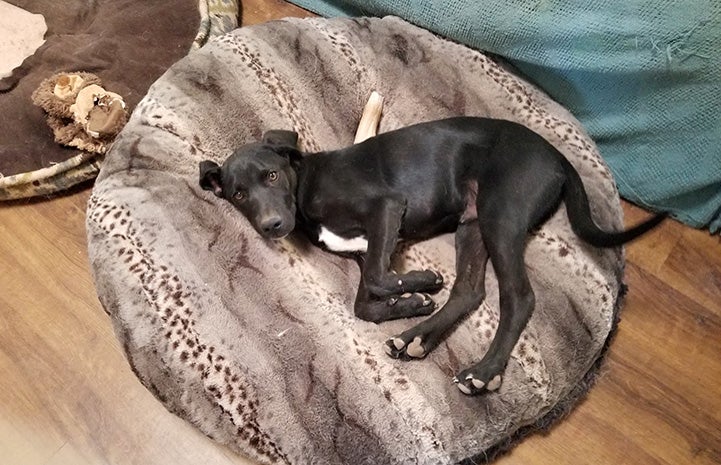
<point>579,214</point>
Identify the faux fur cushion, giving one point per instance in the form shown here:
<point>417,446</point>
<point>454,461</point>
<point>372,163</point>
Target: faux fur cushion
<point>255,342</point>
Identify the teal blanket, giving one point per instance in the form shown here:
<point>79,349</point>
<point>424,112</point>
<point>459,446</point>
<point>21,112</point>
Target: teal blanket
<point>643,76</point>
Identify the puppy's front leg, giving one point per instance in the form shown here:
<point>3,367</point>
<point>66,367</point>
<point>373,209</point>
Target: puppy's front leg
<point>382,295</point>
<point>383,226</point>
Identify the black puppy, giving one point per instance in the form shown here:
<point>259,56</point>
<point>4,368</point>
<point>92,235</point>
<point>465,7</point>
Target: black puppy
<point>491,181</point>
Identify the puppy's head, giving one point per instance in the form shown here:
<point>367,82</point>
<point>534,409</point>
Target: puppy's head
<point>259,180</point>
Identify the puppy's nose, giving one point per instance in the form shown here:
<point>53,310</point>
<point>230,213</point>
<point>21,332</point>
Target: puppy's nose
<point>271,224</point>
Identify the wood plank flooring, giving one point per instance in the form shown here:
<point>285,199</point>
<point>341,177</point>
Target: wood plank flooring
<point>67,395</point>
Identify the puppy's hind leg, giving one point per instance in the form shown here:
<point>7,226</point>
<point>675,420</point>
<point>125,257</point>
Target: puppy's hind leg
<point>467,293</point>
<point>516,306</point>
<point>506,213</point>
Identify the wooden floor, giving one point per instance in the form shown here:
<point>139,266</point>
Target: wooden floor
<point>67,395</point>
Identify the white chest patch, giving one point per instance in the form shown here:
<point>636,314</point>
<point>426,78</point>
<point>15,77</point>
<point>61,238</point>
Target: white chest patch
<point>341,244</point>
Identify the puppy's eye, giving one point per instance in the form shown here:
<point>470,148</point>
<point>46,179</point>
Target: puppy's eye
<point>239,196</point>
<point>272,176</point>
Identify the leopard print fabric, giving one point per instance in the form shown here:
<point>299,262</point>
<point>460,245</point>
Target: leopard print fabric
<point>255,342</point>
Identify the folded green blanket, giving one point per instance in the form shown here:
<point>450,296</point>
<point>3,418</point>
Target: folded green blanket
<point>643,76</point>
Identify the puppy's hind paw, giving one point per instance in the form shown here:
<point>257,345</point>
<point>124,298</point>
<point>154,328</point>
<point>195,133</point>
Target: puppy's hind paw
<point>394,347</point>
<point>470,385</point>
<point>398,348</point>
<point>415,349</point>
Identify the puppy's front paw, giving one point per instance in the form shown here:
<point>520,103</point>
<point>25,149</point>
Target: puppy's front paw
<point>420,281</point>
<point>437,278</point>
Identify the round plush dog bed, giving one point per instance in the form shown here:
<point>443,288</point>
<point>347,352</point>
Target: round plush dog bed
<point>255,342</point>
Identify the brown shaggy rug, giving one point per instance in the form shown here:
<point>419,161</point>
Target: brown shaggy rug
<point>255,342</point>
<point>127,43</point>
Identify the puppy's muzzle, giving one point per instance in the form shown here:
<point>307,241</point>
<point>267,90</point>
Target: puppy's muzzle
<point>275,227</point>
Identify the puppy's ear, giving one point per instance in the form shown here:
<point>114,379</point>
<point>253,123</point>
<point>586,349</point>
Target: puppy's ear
<point>210,177</point>
<point>291,153</point>
<point>281,137</point>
